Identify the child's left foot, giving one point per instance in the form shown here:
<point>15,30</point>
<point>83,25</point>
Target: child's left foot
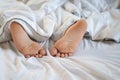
<point>24,44</point>
<point>69,43</point>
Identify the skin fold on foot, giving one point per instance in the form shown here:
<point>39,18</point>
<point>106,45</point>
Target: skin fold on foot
<point>24,44</point>
<point>68,44</point>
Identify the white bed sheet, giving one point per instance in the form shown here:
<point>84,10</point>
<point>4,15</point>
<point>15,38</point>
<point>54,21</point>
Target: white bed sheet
<point>92,61</point>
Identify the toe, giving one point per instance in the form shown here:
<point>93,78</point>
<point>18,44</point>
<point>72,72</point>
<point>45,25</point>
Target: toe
<point>39,55</point>
<point>58,55</point>
<point>69,54</point>
<point>66,55</point>
<point>62,55</point>
<point>42,52</point>
<point>53,51</point>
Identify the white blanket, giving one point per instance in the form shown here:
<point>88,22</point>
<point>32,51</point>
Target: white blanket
<point>41,19</point>
<point>44,19</point>
<point>47,18</point>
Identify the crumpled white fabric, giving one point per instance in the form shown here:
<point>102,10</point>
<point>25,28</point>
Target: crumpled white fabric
<point>103,19</point>
<point>47,18</point>
<point>41,19</point>
<point>92,61</point>
<point>105,26</point>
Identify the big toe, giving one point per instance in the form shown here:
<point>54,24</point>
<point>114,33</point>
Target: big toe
<point>54,51</point>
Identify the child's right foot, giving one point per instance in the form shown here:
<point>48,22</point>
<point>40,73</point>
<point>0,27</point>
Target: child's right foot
<point>24,44</point>
<point>68,44</point>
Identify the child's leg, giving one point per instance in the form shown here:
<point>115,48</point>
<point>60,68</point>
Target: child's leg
<point>68,44</point>
<point>23,43</point>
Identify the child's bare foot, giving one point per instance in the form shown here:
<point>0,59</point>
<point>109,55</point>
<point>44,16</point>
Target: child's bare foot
<point>24,44</point>
<point>68,44</point>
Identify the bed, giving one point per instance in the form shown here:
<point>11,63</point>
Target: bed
<point>97,57</point>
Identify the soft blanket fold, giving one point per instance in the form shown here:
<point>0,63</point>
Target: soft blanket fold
<point>39,20</point>
<point>48,18</point>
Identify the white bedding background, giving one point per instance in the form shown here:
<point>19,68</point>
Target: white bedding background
<point>43,19</point>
